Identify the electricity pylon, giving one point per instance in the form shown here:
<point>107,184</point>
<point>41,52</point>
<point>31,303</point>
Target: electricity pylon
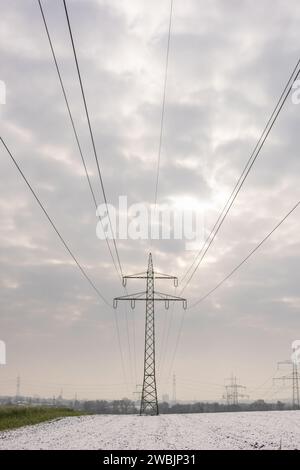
<point>18,387</point>
<point>174,390</point>
<point>138,393</point>
<point>294,377</point>
<point>232,394</point>
<point>149,403</point>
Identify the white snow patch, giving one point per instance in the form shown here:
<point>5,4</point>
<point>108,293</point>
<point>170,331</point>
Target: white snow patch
<point>252,430</point>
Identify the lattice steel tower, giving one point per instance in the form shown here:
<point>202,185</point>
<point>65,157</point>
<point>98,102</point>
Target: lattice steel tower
<point>149,403</point>
<point>232,392</point>
<point>294,377</point>
<point>174,390</point>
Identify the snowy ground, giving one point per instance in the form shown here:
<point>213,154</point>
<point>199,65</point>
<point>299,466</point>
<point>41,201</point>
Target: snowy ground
<point>255,430</point>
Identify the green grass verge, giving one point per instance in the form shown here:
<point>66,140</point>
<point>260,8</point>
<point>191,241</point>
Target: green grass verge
<point>17,416</point>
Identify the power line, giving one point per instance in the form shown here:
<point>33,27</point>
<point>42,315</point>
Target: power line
<point>120,346</point>
<point>83,272</point>
<point>165,338</point>
<point>250,158</point>
<point>128,342</point>
<point>92,135</point>
<point>99,173</point>
<point>73,125</point>
<point>209,240</point>
<point>163,105</point>
<point>261,386</point>
<point>198,383</point>
<point>159,159</point>
<point>134,346</point>
<point>225,279</point>
<point>247,257</point>
<point>54,226</point>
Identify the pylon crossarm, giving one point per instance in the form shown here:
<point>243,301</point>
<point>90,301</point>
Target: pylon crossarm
<point>158,297</point>
<point>285,377</point>
<point>133,276</point>
<point>130,297</point>
<point>144,275</point>
<point>158,275</point>
<point>167,298</point>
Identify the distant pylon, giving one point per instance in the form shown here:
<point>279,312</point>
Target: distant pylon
<point>295,386</point>
<point>294,377</point>
<point>149,403</point>
<point>137,393</point>
<point>174,389</point>
<point>232,394</point>
<point>18,387</point>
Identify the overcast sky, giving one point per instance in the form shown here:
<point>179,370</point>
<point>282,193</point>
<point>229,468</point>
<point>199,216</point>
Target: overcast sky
<point>229,62</point>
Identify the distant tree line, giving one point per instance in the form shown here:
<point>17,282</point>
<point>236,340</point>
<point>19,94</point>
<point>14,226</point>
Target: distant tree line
<point>126,406</point>
<point>215,407</point>
<point>117,407</point>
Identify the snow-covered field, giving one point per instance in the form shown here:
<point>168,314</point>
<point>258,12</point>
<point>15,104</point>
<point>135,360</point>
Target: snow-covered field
<point>255,430</point>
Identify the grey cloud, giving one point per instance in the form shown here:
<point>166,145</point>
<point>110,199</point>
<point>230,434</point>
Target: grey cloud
<point>228,64</point>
